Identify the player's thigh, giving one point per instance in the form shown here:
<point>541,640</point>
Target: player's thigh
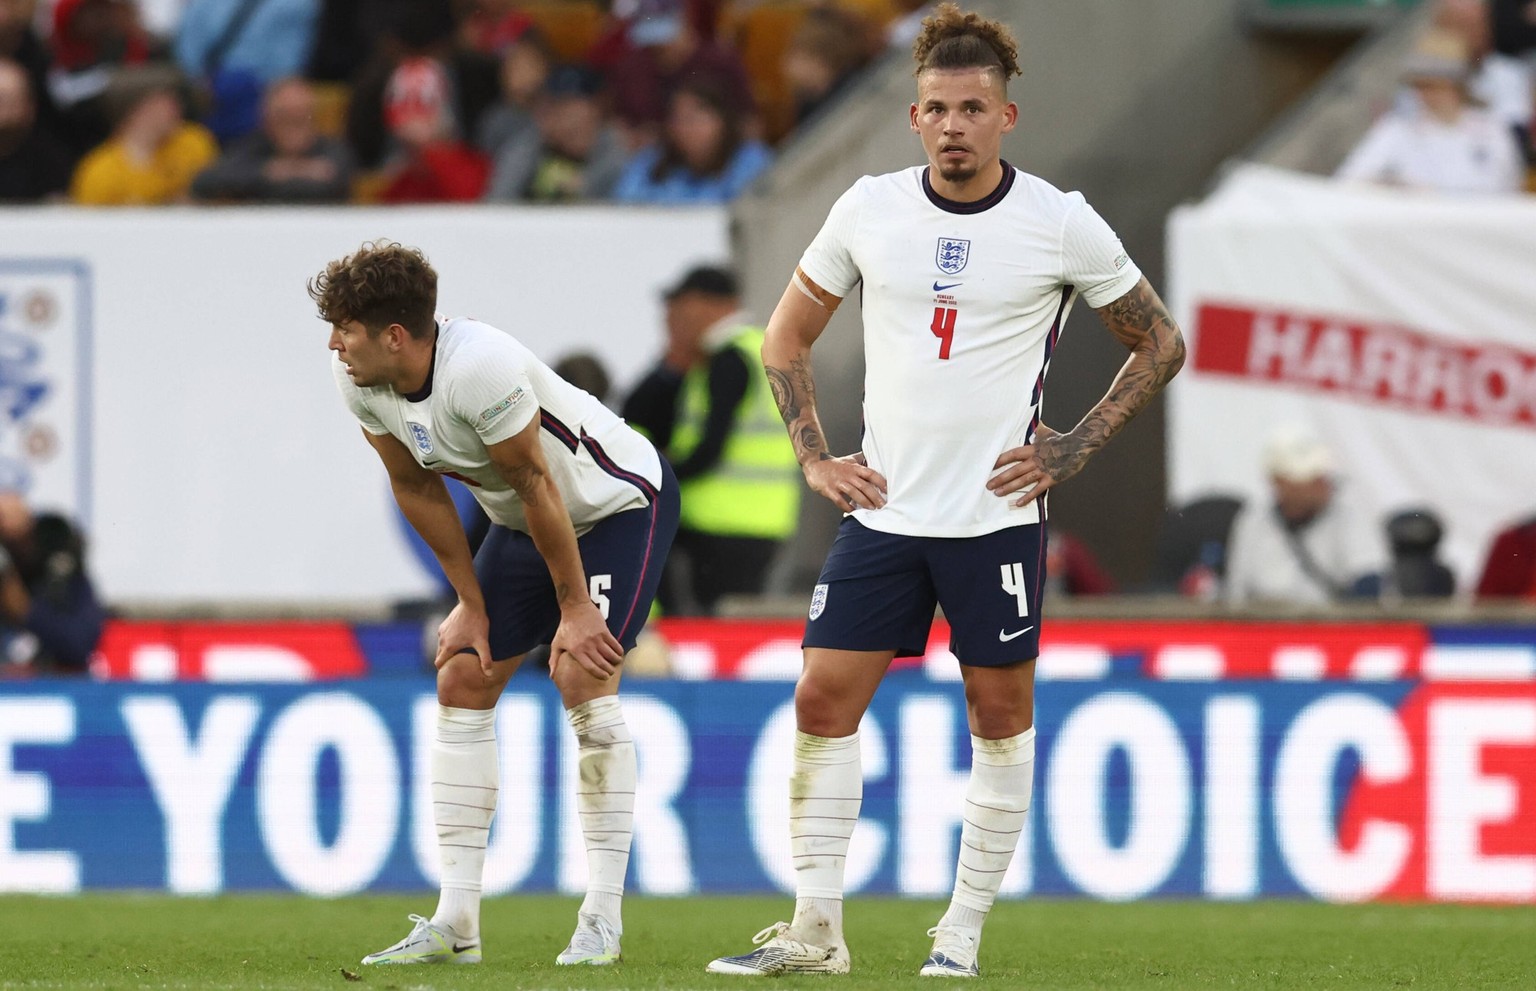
<point>999,701</point>
<point>990,589</point>
<point>623,558</point>
<point>874,595</point>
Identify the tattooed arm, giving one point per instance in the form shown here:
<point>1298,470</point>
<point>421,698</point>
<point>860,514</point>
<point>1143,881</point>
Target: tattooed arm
<point>583,634</point>
<point>797,322</point>
<point>1141,322</point>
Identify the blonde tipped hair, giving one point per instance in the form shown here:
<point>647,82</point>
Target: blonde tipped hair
<point>956,39</point>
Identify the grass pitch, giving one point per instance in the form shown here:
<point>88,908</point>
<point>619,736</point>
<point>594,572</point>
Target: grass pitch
<point>151,941</point>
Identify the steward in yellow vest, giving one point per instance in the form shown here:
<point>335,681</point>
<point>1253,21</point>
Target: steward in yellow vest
<point>707,407</point>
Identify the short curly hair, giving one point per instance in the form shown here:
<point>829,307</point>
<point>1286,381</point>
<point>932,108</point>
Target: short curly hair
<point>382,283</point>
<point>956,39</point>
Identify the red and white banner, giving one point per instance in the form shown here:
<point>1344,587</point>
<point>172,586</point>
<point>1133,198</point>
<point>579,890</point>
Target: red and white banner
<point>1399,326</point>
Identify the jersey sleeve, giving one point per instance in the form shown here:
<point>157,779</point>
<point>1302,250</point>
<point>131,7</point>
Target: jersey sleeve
<point>492,391</point>
<point>356,399</point>
<point>829,259</point>
<point>1092,258</point>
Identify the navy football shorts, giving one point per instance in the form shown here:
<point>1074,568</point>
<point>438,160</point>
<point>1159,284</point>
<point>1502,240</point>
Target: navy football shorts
<point>622,556</point>
<point>877,591</point>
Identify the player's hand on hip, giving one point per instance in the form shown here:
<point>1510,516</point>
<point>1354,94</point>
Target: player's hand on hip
<point>584,637</point>
<point>466,630</point>
<point>848,481</point>
<point>1034,468</point>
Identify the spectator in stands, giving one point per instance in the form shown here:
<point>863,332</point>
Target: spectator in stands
<point>287,161</point>
<point>1442,143</point>
<point>19,42</point>
<point>92,39</point>
<point>708,408</point>
<point>490,26</point>
<point>1510,571</point>
<point>348,36</point>
<point>1307,547</point>
<point>1416,571</point>
<point>433,164</point>
<point>1071,570</point>
<point>573,153</point>
<point>1504,84</point>
<point>153,154</point>
<point>33,165</point>
<point>668,51</point>
<point>827,51</point>
<point>240,47</point>
<point>525,65</point>
<point>50,617</point>
<point>704,156</point>
<point>414,30</point>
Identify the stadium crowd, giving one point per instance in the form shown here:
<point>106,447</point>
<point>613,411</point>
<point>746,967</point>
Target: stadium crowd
<point>118,102</point>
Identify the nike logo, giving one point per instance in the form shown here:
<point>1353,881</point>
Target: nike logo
<point>1005,636</point>
<point>461,947</point>
<point>939,288</point>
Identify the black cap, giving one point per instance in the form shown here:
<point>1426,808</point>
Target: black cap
<point>706,279</point>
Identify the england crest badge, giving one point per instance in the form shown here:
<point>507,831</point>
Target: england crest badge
<point>421,437</point>
<point>818,601</point>
<point>952,255</point>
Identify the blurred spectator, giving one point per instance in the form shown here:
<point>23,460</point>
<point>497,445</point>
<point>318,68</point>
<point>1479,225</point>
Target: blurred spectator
<point>153,154</point>
<point>238,48</point>
<point>573,153</point>
<point>50,617</point>
<point>1444,142</point>
<point>19,42</point>
<point>92,39</point>
<point>708,408</point>
<point>1307,547</point>
<point>1416,572</point>
<point>1501,83</point>
<point>348,34</point>
<point>585,371</point>
<point>415,30</point>
<point>826,52</point>
<point>525,65</point>
<point>491,25</point>
<point>287,161</point>
<point>33,165</point>
<point>1514,26</point>
<point>903,31</point>
<point>704,155</point>
<point>1071,570</point>
<point>433,165</point>
<point>669,51</point>
<point>1510,571</point>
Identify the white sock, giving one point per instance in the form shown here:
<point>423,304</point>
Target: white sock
<point>605,801</point>
<point>825,792</point>
<point>464,782</point>
<point>996,806</point>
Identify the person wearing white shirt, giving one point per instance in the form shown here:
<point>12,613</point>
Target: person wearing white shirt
<point>1444,143</point>
<point>967,269</point>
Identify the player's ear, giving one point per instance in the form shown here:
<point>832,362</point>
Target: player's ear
<point>1010,116</point>
<point>914,116</point>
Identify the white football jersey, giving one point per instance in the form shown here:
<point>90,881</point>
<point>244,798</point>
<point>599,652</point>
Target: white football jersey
<point>485,387</point>
<point>963,304</point>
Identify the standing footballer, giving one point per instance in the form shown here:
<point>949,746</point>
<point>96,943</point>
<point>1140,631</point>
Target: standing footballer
<point>583,511</point>
<point>969,268</point>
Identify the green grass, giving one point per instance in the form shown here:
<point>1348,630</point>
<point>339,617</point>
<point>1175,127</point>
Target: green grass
<point>129,941</point>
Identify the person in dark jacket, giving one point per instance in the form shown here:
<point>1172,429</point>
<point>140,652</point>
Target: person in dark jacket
<point>287,161</point>
<point>50,617</point>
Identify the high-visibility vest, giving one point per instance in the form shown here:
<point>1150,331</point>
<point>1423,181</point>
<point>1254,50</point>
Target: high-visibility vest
<point>754,490</point>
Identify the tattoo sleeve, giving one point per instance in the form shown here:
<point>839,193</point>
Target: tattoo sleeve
<point>1141,322</point>
<point>525,481</point>
<point>795,393</point>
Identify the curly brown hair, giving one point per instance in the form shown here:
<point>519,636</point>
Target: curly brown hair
<point>383,283</point>
<point>956,39</point>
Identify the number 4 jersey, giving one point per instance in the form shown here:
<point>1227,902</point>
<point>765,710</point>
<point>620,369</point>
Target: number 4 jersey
<point>963,304</point>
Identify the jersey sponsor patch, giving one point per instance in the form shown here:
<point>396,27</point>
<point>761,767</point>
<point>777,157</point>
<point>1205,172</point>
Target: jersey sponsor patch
<point>492,412</point>
<point>952,255</point>
<point>422,439</point>
<point>1121,261</point>
<point>818,601</point>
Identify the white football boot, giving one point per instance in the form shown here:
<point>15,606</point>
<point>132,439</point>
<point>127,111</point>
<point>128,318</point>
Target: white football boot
<point>428,943</point>
<point>954,953</point>
<point>778,953</point>
<point>595,943</point>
